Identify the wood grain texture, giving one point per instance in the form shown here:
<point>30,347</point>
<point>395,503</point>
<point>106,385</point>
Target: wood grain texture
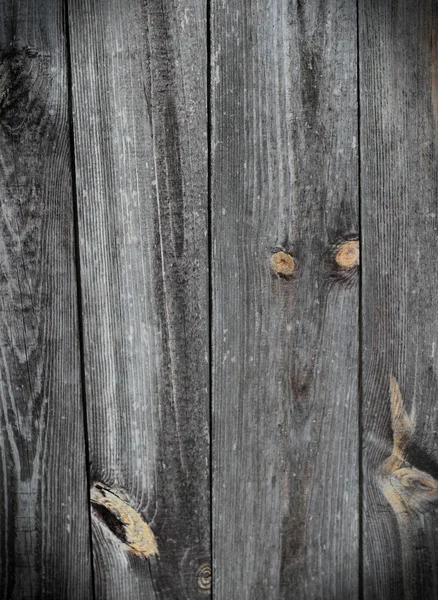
<point>139,88</point>
<point>44,533</point>
<point>285,341</point>
<point>398,91</point>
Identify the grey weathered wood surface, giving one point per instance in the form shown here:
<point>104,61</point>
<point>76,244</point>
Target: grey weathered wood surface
<point>285,351</point>
<point>140,124</point>
<point>44,532</point>
<point>295,466</point>
<point>399,129</point>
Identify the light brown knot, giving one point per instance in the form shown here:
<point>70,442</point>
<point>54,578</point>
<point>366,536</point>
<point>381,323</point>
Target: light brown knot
<point>348,255</point>
<point>204,578</point>
<point>112,507</point>
<point>283,263</point>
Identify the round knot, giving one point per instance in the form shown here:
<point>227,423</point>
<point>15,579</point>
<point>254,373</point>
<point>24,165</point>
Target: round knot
<point>204,577</point>
<point>348,254</point>
<point>283,263</point>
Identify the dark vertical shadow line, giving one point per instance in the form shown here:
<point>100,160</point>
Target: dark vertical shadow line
<point>78,283</point>
<point>360,316</point>
<point>210,276</point>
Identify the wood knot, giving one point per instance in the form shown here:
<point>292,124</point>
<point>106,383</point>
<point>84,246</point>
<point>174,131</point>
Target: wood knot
<point>204,577</point>
<point>348,255</point>
<point>283,264</point>
<point>407,489</point>
<point>112,507</point>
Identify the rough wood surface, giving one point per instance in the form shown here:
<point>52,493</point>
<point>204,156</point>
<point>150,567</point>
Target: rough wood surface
<point>285,258</point>
<point>285,332</point>
<point>44,532</point>
<point>399,127</point>
<point>139,88</point>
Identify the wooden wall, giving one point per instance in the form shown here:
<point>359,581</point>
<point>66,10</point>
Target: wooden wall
<point>218,299</point>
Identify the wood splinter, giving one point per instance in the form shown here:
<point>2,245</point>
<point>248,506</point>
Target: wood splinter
<point>113,508</point>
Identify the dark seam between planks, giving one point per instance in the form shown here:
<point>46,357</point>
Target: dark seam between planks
<point>210,277</point>
<point>77,259</point>
<point>360,320</point>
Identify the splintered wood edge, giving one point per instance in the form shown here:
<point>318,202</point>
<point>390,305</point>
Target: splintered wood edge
<point>132,530</point>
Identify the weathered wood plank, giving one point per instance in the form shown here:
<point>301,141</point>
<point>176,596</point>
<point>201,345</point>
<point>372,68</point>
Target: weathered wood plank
<point>285,346</point>
<point>139,87</point>
<point>399,91</point>
<point>44,533</point>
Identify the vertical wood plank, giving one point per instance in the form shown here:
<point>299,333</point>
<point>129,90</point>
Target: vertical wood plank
<point>44,533</point>
<point>139,87</point>
<point>285,344</point>
<point>399,125</point>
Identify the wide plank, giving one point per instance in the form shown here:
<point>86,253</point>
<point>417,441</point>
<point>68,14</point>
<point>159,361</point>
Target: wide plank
<point>140,125</point>
<point>399,127</point>
<point>44,515</point>
<point>285,299</point>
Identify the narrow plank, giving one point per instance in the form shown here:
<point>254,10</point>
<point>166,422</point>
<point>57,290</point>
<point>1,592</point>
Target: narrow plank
<point>139,87</point>
<point>285,326</point>
<point>44,533</point>
<point>399,91</point>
